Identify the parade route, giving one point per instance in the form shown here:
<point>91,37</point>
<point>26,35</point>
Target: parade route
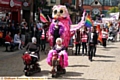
<point>105,66</point>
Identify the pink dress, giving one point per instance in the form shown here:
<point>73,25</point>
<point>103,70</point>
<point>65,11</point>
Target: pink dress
<point>63,60</point>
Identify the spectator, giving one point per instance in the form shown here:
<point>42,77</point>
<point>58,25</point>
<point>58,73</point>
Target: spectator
<point>13,29</point>
<point>34,30</point>
<point>39,26</point>
<point>18,40</point>
<point>84,39</point>
<point>77,41</point>
<point>31,24</point>
<point>3,30</point>
<point>24,30</point>
<point>22,23</point>
<point>9,29</point>
<point>9,40</point>
<point>104,37</point>
<point>43,41</point>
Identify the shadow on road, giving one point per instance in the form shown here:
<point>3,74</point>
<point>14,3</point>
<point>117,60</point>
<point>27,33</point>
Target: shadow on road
<point>104,60</point>
<point>78,66</point>
<point>69,75</point>
<point>104,56</point>
<point>109,48</point>
<point>42,73</point>
<point>64,76</point>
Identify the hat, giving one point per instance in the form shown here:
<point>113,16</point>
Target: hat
<point>58,39</point>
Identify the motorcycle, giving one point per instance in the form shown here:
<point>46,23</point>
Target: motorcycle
<point>31,65</point>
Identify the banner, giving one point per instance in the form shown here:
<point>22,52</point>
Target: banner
<point>115,15</point>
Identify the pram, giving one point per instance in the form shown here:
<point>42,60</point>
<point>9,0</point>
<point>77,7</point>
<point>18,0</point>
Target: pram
<point>111,36</point>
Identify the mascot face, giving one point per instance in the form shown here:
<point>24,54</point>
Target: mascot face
<point>59,11</point>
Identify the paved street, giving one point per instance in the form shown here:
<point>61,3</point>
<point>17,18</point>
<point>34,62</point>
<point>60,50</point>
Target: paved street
<point>105,66</point>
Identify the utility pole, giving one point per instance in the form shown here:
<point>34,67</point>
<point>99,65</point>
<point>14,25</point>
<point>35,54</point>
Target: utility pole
<point>119,9</point>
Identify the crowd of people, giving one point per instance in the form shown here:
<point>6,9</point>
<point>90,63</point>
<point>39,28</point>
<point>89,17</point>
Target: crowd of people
<point>90,37</point>
<point>21,33</point>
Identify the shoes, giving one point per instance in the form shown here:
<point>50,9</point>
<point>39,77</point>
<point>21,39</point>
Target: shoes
<point>75,54</point>
<point>91,60</point>
<point>19,48</point>
<point>52,71</point>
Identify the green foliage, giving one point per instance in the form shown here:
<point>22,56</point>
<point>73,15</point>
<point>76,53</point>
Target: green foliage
<point>113,10</point>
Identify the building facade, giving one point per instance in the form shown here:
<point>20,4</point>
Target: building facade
<point>98,7</point>
<point>12,9</point>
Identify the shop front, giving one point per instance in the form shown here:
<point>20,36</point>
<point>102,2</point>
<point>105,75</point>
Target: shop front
<point>12,9</point>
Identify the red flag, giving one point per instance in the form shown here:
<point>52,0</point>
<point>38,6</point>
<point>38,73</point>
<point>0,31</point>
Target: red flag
<point>98,28</point>
<point>43,18</point>
<point>100,37</point>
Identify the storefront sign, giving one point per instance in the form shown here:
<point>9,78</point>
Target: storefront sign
<point>25,4</point>
<point>46,10</point>
<point>12,4</point>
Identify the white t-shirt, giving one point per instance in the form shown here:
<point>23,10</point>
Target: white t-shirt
<point>104,33</point>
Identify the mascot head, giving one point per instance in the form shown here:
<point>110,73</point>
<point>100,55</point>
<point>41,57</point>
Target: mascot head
<point>59,11</point>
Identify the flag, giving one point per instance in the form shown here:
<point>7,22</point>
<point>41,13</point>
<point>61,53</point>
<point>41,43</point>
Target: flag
<point>49,18</point>
<point>43,18</point>
<point>100,33</point>
<point>100,37</point>
<point>98,28</point>
<point>88,22</point>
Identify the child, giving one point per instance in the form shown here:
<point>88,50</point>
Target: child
<point>55,56</point>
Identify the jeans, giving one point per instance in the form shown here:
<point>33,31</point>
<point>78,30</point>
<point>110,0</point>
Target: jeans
<point>91,50</point>
<point>23,38</point>
<point>104,41</point>
<point>84,46</point>
<point>78,48</point>
<point>43,46</point>
<point>19,42</point>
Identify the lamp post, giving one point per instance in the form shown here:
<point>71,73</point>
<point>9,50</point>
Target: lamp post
<point>119,9</point>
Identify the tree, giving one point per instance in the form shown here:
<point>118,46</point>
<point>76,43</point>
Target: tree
<point>113,10</point>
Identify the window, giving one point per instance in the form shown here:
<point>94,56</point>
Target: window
<point>73,2</point>
<point>53,1</point>
<point>87,2</point>
<point>101,1</point>
<point>107,2</point>
<point>110,2</point>
<point>90,2</point>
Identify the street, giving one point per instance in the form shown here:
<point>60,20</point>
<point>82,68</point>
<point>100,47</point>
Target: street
<point>105,66</point>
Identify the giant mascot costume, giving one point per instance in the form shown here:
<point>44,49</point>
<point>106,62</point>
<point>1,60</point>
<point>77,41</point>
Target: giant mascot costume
<point>61,18</point>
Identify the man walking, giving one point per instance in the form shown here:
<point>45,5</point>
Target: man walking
<point>92,42</point>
